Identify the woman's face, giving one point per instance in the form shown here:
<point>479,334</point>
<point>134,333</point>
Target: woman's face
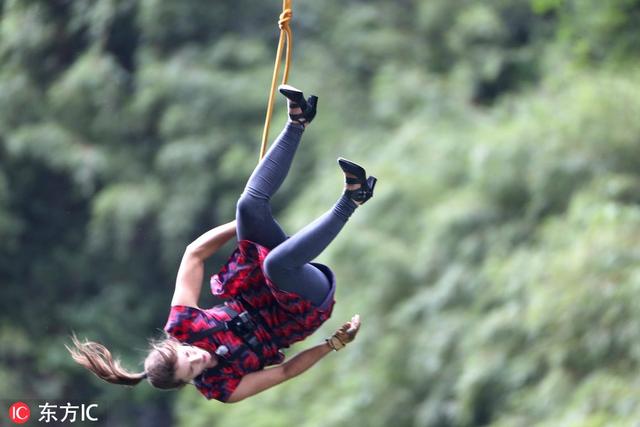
<point>192,361</point>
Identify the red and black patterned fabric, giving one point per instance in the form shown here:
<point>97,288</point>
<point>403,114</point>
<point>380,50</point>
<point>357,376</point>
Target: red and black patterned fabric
<point>284,318</point>
<point>219,382</point>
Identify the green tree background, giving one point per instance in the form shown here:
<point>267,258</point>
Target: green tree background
<point>496,270</point>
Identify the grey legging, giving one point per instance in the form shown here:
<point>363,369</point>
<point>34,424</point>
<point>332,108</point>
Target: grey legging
<point>287,265</point>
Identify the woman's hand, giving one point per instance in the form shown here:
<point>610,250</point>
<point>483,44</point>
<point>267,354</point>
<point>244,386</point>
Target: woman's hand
<point>345,334</point>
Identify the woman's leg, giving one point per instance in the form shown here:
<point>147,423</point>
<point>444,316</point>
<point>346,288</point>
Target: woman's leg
<point>288,264</point>
<point>253,213</point>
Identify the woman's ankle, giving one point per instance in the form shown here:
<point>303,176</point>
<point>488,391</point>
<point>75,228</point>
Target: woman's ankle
<point>296,125</point>
<point>348,188</point>
<point>344,207</point>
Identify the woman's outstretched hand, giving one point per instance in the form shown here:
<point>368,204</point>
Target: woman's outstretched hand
<point>345,334</point>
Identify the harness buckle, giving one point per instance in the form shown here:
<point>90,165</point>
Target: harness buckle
<point>242,324</point>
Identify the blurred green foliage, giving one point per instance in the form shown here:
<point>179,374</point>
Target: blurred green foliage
<point>495,270</point>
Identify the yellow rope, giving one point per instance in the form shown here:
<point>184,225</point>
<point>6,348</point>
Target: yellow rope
<point>285,35</point>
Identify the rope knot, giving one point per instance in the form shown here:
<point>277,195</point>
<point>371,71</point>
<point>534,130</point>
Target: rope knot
<point>285,17</point>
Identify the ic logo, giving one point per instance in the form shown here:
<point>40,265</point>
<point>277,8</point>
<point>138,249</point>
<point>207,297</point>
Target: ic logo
<point>19,413</point>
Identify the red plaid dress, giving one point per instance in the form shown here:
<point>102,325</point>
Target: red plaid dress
<point>284,318</point>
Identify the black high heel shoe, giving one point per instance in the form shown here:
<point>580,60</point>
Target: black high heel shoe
<point>296,100</point>
<point>365,192</point>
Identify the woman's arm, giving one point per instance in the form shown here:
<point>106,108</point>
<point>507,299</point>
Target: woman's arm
<point>191,271</point>
<point>259,381</point>
<point>256,382</point>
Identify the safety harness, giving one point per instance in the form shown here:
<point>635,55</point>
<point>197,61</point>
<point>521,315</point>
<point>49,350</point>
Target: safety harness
<point>243,325</point>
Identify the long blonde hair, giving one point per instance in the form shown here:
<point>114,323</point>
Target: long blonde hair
<point>159,365</point>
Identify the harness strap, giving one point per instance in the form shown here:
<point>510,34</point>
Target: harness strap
<point>242,325</point>
<point>207,332</point>
<point>255,314</point>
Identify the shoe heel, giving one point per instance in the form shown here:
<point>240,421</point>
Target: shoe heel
<point>371,183</point>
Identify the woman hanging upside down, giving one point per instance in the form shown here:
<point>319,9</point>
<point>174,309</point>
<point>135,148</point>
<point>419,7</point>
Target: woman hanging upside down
<point>274,295</point>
